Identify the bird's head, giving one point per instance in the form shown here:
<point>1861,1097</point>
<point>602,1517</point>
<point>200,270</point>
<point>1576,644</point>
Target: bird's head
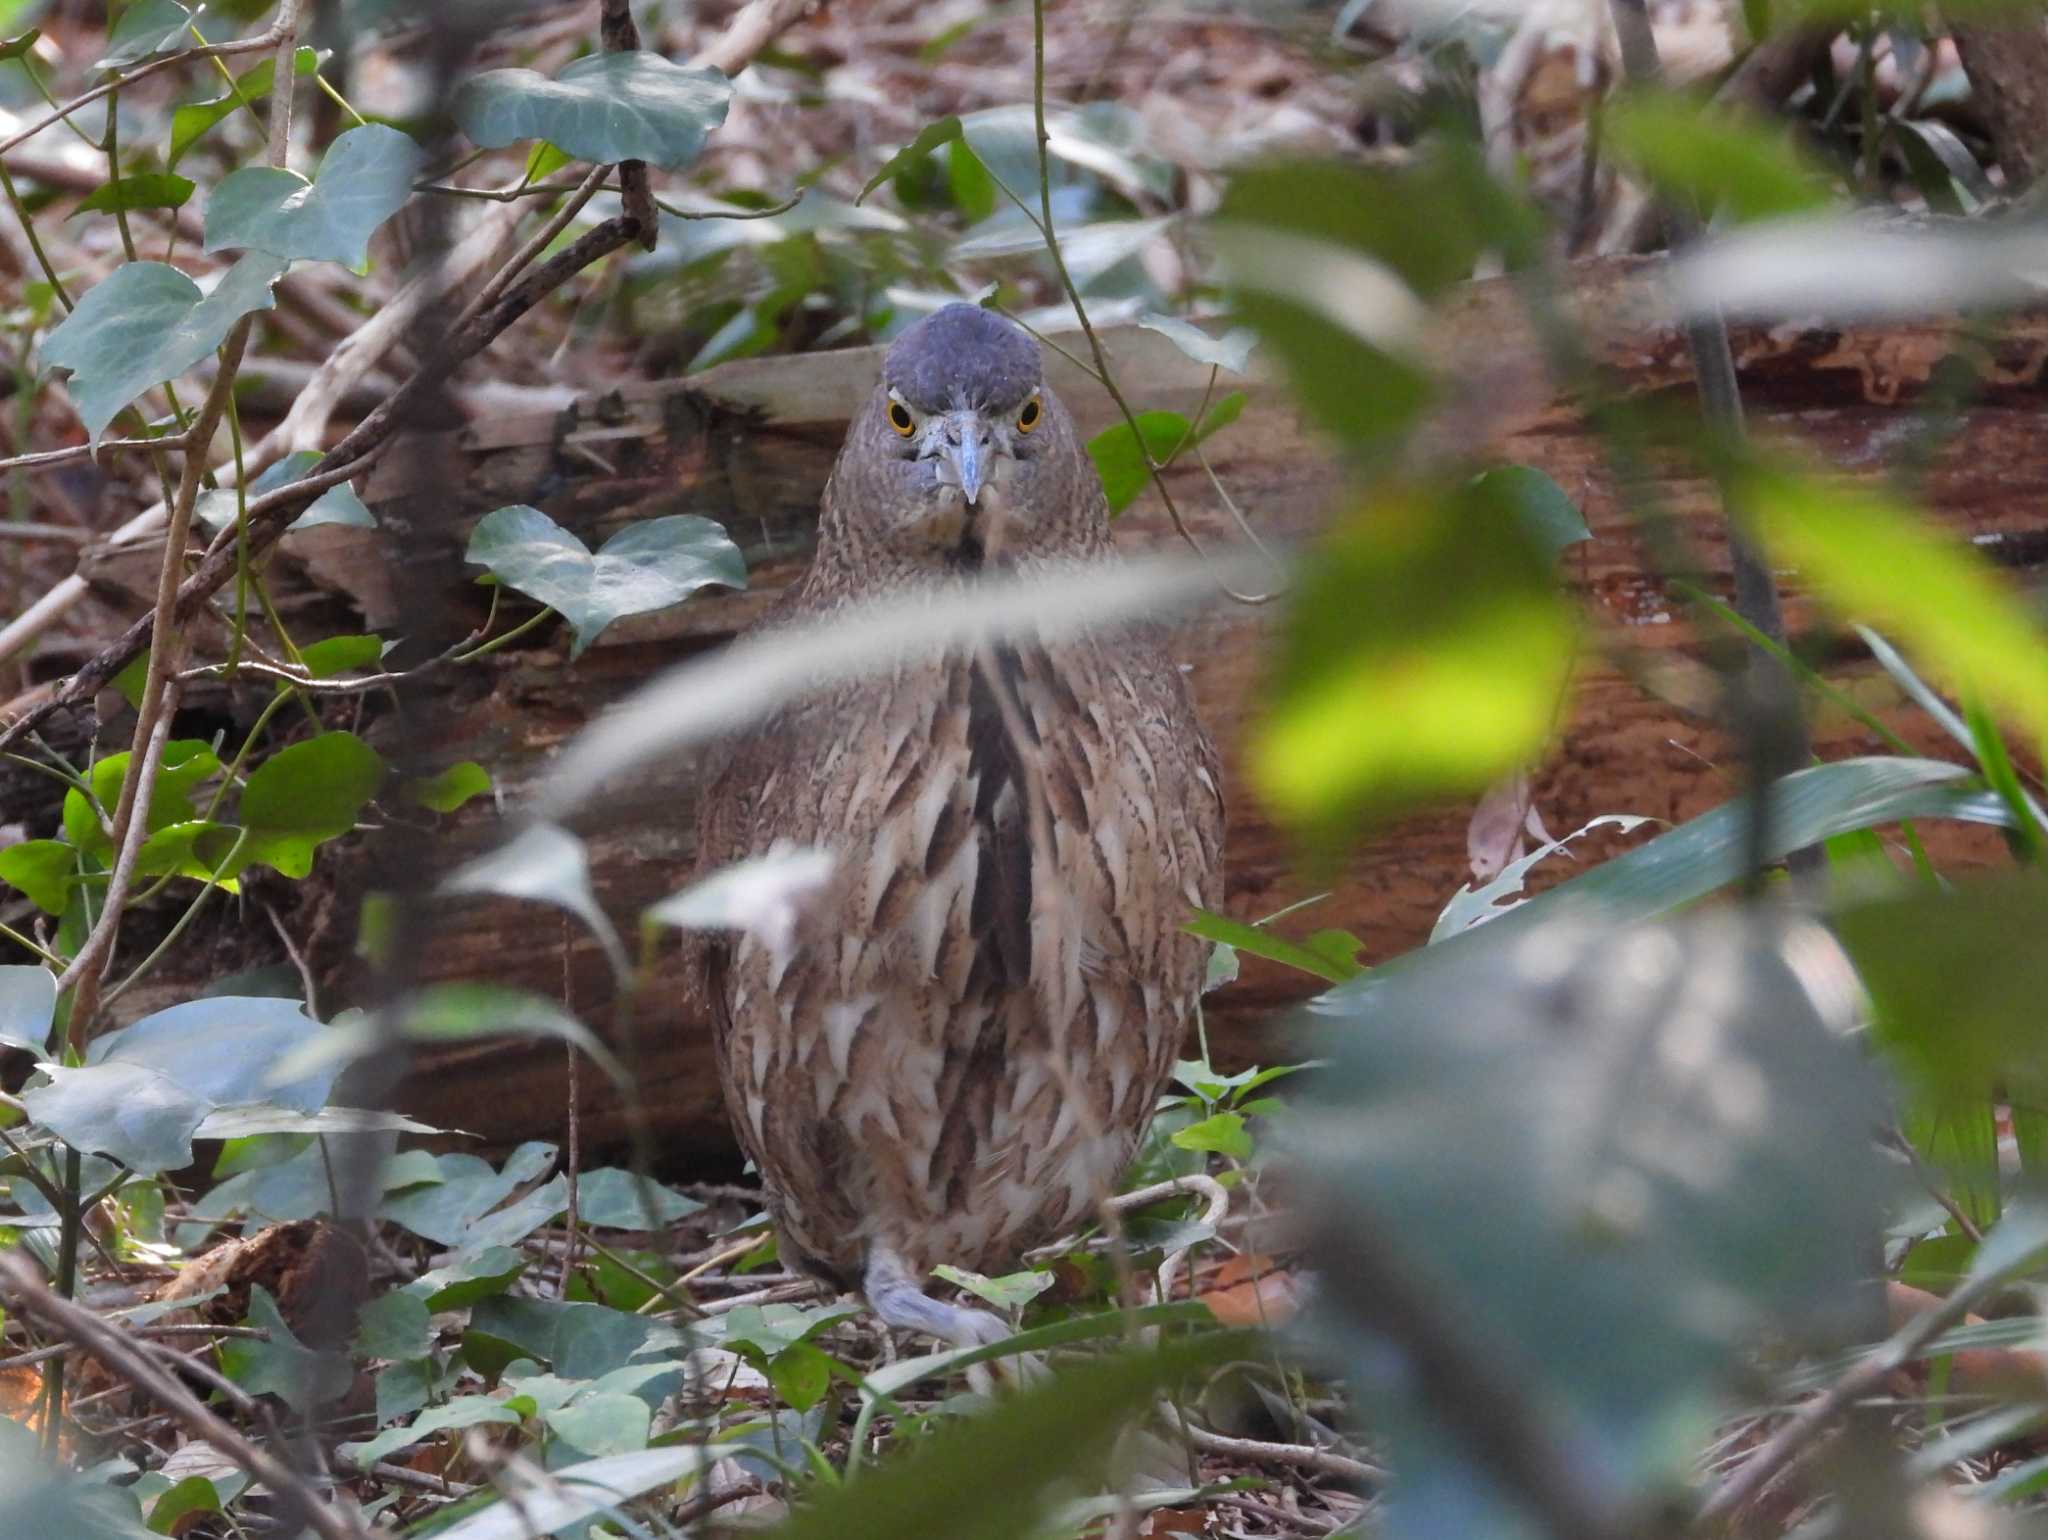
<point>962,455</point>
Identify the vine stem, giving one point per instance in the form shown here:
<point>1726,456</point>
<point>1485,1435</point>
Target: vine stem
<point>1044,220</point>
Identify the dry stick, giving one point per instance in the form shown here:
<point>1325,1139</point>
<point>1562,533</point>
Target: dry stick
<point>1302,1456</point>
<point>110,1346</point>
<point>1807,1424</point>
<point>752,30</point>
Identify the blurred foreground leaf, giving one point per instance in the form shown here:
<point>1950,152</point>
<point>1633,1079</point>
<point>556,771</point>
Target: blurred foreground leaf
<point>1719,161</point>
<point>1592,1166</point>
<point>602,108</point>
<point>1426,651</point>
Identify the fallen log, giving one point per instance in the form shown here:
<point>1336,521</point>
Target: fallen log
<point>749,444</point>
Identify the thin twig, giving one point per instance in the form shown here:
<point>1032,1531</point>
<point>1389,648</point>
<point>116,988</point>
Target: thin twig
<point>205,51</point>
<point>1908,1343</point>
<point>302,1505</point>
<point>1302,1456</point>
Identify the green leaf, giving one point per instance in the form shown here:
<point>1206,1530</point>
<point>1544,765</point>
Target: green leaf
<point>194,1494</point>
<point>610,1199</point>
<point>230,1050</point>
<point>146,27</point>
<point>1260,942</point>
<point>127,1112</point>
<point>1957,1002</point>
<point>139,190</point>
<point>1874,559</point>
<point>1447,681</point>
<point>462,1283</point>
<point>545,864</point>
<point>186,762</point>
<point>580,1490</point>
<point>1712,851</point>
<point>147,322</point>
<point>198,848</point>
<point>1549,515</point>
<point>1716,159</point>
<point>334,655</point>
<point>1120,460</point>
<point>192,122</point>
<point>991,1477</point>
<point>644,567</point>
<point>462,1412</point>
<point>1231,351</point>
<point>928,139</point>
<point>337,505</point>
<point>578,1341</point>
<point>42,869</point>
<point>1557,1086</point>
<point>395,1326</point>
<point>603,1422</point>
<point>1222,1134</point>
<point>304,795</point>
<point>20,43</point>
<point>364,177</point>
<point>449,789</point>
<point>602,108</point>
<point>801,1374</point>
<point>1011,1292</point>
<point>28,1006</point>
<point>446,1212</point>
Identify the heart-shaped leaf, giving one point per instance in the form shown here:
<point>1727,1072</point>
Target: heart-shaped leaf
<point>363,178</point>
<point>304,795</point>
<point>1232,350</point>
<point>148,322</point>
<point>186,762</point>
<point>280,1365</point>
<point>928,139</point>
<point>146,27</point>
<point>127,1112</point>
<point>1120,459</point>
<point>223,1049</point>
<point>449,789</point>
<point>645,567</point>
<point>141,190</point>
<point>43,869</point>
<point>28,1004</point>
<point>337,505</point>
<point>602,108</point>
<point>193,121</point>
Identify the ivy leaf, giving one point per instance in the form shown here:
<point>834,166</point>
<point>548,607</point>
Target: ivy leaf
<point>337,505</point>
<point>148,322</point>
<point>193,121</point>
<point>305,795</point>
<point>394,1326</point>
<point>226,1049</point>
<point>283,1366</point>
<point>363,178</point>
<point>20,44</point>
<point>604,1422</point>
<point>127,1112</point>
<point>644,567</point>
<point>1012,1292</point>
<point>146,27</point>
<point>142,190</point>
<point>1232,350</point>
<point>43,869</point>
<point>928,139</point>
<point>546,864</point>
<point>1120,460</point>
<point>333,655</point>
<point>1747,168</point>
<point>449,789</point>
<point>28,1004</point>
<point>186,762</point>
<point>462,1283</point>
<point>602,108</point>
<point>1223,1134</point>
<point>462,1412</point>
<point>1546,510</point>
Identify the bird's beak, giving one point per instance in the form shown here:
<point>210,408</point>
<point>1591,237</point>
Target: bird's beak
<point>965,446</point>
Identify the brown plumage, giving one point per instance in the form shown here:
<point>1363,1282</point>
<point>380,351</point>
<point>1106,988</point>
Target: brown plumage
<point>956,1053</point>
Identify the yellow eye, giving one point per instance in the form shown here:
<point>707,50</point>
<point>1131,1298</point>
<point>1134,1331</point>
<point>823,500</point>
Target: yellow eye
<point>1028,418</point>
<point>899,419</point>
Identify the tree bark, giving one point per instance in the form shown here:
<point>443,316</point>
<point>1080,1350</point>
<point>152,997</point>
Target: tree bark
<point>2006,59</point>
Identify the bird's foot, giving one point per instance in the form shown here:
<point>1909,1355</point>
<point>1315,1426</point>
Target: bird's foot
<point>895,1297</point>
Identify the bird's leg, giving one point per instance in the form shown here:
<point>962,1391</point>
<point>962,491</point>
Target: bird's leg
<point>894,1295</point>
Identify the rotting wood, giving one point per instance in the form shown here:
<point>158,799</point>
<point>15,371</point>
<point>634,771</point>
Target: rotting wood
<point>750,444</point>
